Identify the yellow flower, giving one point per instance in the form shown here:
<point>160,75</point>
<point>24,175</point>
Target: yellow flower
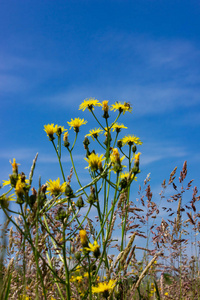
<point>126,175</point>
<point>14,166</point>
<point>76,123</point>
<point>50,129</point>
<point>116,160</point>
<point>89,103</point>
<point>77,278</point>
<point>137,156</point>
<point>6,182</point>
<point>65,135</point>
<point>130,140</point>
<point>115,156</point>
<point>55,188</point>
<point>166,294</point>
<point>60,130</point>
<point>105,106</point>
<point>121,107</point>
<point>104,287</point>
<point>118,127</point>
<point>19,188</point>
<point>83,237</point>
<point>94,161</point>
<point>94,133</point>
<point>94,248</point>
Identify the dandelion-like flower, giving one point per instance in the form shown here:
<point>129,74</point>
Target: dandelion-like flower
<point>137,156</point>
<point>105,106</point>
<point>83,237</point>
<point>121,107</point>
<point>14,166</point>
<point>94,248</point>
<point>76,123</point>
<point>50,129</point>
<point>94,133</point>
<point>104,287</point>
<point>125,175</point>
<point>89,104</point>
<point>60,130</point>
<point>116,160</point>
<point>19,188</point>
<point>118,127</point>
<point>130,140</point>
<point>94,161</point>
<point>55,188</point>
<point>6,182</point>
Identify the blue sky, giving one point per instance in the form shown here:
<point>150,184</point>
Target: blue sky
<point>54,54</point>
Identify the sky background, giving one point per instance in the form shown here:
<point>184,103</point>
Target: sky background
<point>54,54</point>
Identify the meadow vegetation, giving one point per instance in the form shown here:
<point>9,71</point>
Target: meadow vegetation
<point>98,241</point>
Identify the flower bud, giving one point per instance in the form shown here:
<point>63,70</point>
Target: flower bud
<point>86,142</point>
<point>119,144</point>
<point>77,255</point>
<point>65,139</point>
<point>123,183</point>
<point>134,148</point>
<point>80,202</point>
<point>69,192</point>
<point>61,214</point>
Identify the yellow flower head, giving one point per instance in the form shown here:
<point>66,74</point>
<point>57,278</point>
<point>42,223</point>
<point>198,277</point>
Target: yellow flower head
<point>137,156</point>
<point>104,287</point>
<point>89,104</point>
<point>76,123</point>
<point>55,188</point>
<point>94,248</point>
<point>65,135</point>
<point>50,129</point>
<point>94,161</point>
<point>118,127</point>
<point>121,107</point>
<point>76,278</point>
<point>125,175</point>
<point>115,156</point>
<point>105,106</point>
<point>116,160</point>
<point>60,130</point>
<point>19,188</point>
<point>94,133</point>
<point>130,140</point>
<point>6,182</point>
<point>14,166</point>
<point>83,237</point>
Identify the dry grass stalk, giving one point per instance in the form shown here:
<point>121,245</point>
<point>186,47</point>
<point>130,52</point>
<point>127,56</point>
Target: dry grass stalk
<point>145,270</point>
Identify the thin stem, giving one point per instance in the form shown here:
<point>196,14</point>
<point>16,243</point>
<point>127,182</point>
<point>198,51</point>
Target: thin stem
<point>61,168</point>
<point>97,120</point>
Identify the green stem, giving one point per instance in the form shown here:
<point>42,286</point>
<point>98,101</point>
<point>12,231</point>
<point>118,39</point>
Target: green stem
<point>61,168</point>
<point>73,142</point>
<point>72,161</point>
<point>100,143</point>
<point>97,120</point>
<point>67,282</point>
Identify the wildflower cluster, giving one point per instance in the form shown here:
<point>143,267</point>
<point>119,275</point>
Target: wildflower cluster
<point>65,235</point>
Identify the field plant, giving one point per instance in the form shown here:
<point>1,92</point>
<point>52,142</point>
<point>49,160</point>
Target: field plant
<point>70,240</point>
